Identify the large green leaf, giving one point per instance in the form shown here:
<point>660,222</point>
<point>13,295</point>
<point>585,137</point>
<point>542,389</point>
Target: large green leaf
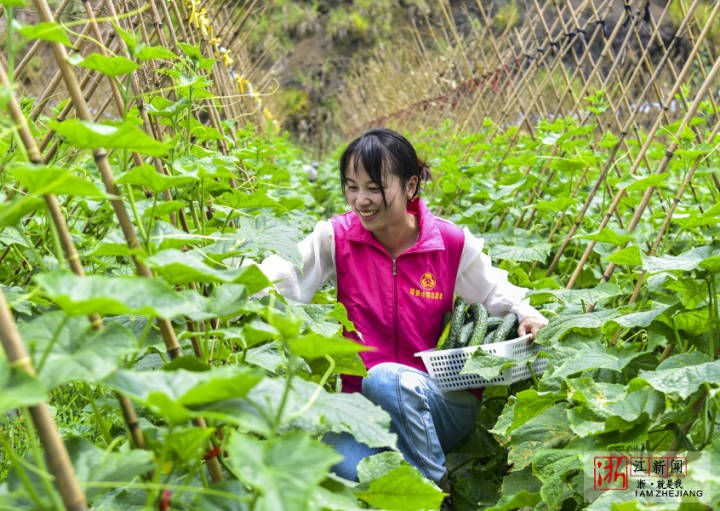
<point>13,210</point>
<point>148,176</point>
<point>609,406</point>
<point>586,323</point>
<point>18,388</point>
<point>598,294</point>
<point>402,488</point>
<point>488,365</point>
<point>607,235</point>
<point>548,429</point>
<point>553,467</point>
<point>66,349</point>
<point>110,66</point>
<point>258,237</point>
<point>519,489</point>
<point>46,31</point>
<point>284,470</point>
<point>178,267</point>
<point>42,179</point>
<point>90,135</point>
<point>636,319</point>
<point>314,345</point>
<point>579,354</point>
<point>114,295</point>
<point>629,255</point>
<point>535,252</point>
<point>684,262</point>
<point>97,465</point>
<point>174,394</point>
<point>680,380</point>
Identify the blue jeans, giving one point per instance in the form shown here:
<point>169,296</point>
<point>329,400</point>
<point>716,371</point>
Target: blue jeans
<point>426,420</point>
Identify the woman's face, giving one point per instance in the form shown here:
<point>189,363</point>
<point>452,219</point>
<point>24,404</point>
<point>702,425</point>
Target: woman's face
<point>366,199</point>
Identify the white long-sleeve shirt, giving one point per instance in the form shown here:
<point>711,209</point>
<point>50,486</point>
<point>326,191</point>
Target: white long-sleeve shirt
<point>477,280</point>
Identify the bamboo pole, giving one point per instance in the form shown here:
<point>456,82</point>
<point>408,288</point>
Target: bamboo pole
<point>100,156</point>
<point>20,67</point>
<point>56,454</point>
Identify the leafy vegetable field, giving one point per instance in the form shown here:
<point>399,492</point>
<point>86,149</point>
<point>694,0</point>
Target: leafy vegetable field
<point>173,386</point>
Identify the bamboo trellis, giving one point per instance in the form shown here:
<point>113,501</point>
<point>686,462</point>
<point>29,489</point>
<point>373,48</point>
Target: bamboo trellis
<point>651,60</point>
<point>234,100</point>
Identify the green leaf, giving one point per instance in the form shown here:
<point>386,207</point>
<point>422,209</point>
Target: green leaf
<point>403,488</point>
<point>552,467</point>
<point>559,204</point>
<point>598,294</point>
<point>154,52</point>
<point>582,353</point>
<point>46,31</point>
<point>585,323</point>
<point>91,135</point>
<point>42,180</point>
<point>549,429</point>
<point>684,262</point>
<point>635,319</point>
<point>114,295</point>
<point>149,177</point>
<point>189,443</point>
<point>190,50</point>
<point>98,465</point>
<point>535,252</point>
<point>283,470</point>
<point>13,210</point>
<point>609,400</point>
<point>66,349</point>
<point>18,388</point>
<point>488,365</point>
<point>175,394</point>
<point>110,66</point>
<point>238,199</point>
<point>677,381</point>
<point>178,267</point>
<point>642,183</point>
<point>519,489</point>
<point>630,255</point>
<point>314,345</point>
<point>607,235</point>
<point>131,40</point>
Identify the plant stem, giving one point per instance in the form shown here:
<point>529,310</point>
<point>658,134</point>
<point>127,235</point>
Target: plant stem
<point>10,451</point>
<point>50,345</point>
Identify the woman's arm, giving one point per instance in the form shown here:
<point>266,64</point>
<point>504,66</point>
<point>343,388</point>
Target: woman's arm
<point>479,281</point>
<point>318,265</point>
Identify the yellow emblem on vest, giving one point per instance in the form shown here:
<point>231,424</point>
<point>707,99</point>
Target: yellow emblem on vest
<point>427,281</point>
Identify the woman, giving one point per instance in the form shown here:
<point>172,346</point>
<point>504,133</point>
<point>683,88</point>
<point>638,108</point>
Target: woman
<point>397,268</point>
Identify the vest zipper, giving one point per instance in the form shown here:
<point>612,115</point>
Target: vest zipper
<point>395,305</point>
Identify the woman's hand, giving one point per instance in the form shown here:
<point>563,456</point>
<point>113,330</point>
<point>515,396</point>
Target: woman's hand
<point>530,326</point>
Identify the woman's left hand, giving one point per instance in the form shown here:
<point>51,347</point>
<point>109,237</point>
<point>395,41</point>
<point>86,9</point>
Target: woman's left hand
<point>530,326</point>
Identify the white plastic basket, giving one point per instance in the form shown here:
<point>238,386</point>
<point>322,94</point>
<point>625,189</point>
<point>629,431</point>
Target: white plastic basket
<point>444,366</point>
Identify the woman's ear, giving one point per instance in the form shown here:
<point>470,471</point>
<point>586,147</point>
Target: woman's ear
<point>412,186</point>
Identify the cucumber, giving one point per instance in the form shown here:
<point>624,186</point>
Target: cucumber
<point>494,322</point>
<point>443,340</point>
<point>457,322</point>
<point>505,328</point>
<point>446,319</point>
<point>465,334</point>
<point>480,315</point>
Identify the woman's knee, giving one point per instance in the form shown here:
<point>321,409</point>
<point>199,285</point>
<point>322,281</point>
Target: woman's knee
<point>389,382</point>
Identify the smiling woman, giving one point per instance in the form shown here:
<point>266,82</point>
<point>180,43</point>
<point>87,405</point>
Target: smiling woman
<point>397,269</point>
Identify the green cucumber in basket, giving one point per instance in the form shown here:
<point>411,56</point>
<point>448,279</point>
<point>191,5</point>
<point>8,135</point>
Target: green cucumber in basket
<point>445,335</point>
<point>457,322</point>
<point>480,315</point>
<point>494,322</point>
<point>465,334</point>
<point>505,328</point>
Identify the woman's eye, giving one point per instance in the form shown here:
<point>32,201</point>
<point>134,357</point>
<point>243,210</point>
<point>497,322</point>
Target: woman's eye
<point>374,190</point>
<point>352,188</point>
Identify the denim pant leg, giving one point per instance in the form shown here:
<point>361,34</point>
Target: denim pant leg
<point>352,452</point>
<point>426,420</point>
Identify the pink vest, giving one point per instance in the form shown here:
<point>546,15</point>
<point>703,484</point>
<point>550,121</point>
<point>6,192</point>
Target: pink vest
<point>398,304</point>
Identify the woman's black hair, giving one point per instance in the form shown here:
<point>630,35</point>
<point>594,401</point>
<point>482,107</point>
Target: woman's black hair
<point>379,149</point>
